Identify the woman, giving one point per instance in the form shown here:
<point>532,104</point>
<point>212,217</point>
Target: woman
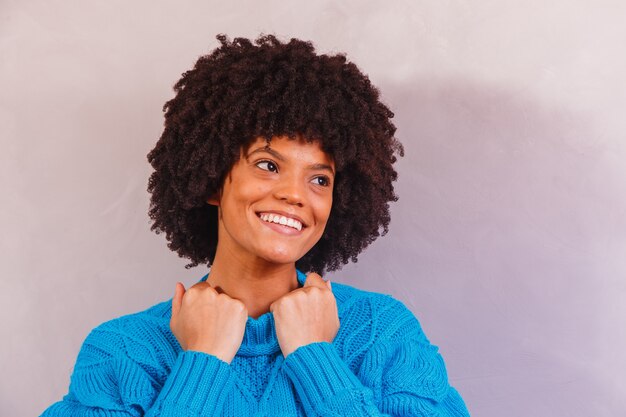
<point>274,160</point>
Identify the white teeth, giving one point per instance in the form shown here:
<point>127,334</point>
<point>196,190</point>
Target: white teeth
<point>285,221</point>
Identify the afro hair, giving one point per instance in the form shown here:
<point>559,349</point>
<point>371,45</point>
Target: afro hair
<point>266,88</point>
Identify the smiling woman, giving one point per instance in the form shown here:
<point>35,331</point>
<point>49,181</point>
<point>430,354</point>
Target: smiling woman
<point>274,160</point>
<point>274,204</point>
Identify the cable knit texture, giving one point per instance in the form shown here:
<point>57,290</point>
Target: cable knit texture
<point>380,364</point>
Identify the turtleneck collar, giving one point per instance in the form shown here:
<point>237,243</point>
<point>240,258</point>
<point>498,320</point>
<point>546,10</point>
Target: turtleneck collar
<point>260,335</point>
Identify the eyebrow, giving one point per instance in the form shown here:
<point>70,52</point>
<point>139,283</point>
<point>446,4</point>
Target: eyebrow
<point>281,158</point>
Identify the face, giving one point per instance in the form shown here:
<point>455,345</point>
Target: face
<point>276,201</point>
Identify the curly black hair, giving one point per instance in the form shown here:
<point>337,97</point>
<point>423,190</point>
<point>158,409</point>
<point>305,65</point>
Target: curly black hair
<point>244,90</point>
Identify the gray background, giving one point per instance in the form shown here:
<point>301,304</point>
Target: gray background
<point>509,238</point>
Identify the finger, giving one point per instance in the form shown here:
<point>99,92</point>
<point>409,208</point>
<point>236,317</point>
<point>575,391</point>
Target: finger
<point>205,284</point>
<point>314,280</point>
<point>177,301</point>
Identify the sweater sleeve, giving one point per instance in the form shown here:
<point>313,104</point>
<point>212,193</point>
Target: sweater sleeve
<point>401,374</point>
<point>111,380</point>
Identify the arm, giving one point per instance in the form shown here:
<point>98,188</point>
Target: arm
<point>401,374</point>
<point>115,376</point>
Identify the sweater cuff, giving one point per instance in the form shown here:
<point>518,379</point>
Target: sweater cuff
<point>319,374</point>
<point>198,382</point>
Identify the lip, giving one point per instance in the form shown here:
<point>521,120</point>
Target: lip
<point>282,213</point>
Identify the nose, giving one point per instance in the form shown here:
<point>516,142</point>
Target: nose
<point>291,191</point>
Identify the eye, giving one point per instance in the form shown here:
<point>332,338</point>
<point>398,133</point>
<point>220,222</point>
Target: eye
<point>324,181</point>
<point>267,166</point>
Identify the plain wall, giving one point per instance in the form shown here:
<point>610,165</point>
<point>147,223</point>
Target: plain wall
<point>509,238</point>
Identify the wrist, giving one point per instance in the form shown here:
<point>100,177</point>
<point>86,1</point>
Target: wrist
<point>223,356</point>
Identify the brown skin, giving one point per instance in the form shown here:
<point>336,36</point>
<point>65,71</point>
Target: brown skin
<point>254,268</point>
<point>306,315</point>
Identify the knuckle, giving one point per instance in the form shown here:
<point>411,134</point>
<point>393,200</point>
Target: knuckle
<point>315,291</point>
<point>200,287</point>
<point>239,307</point>
<point>222,299</point>
<point>190,295</point>
<point>193,290</point>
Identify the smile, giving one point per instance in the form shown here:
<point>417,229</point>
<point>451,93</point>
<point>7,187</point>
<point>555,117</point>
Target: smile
<point>282,220</point>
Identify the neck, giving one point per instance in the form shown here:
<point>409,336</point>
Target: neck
<point>255,282</point>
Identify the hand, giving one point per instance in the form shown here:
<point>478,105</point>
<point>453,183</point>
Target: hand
<point>306,315</point>
<point>204,320</point>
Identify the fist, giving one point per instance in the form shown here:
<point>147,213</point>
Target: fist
<point>306,315</point>
<point>204,320</point>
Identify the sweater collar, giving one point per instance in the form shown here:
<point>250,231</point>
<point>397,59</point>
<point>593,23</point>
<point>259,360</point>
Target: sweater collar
<point>260,335</point>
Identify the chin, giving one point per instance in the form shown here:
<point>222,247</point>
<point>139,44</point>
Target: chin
<point>281,257</point>
<point>281,260</point>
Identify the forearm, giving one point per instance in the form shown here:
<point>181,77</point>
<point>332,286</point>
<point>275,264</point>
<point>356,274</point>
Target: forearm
<point>196,386</point>
<point>327,386</point>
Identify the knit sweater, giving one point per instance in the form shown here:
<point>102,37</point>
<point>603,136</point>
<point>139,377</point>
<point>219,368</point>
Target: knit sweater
<point>379,364</point>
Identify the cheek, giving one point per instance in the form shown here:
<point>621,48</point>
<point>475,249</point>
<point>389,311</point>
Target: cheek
<point>322,210</point>
<point>248,191</point>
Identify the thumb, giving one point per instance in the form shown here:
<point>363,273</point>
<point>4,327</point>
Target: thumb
<point>177,301</point>
<point>314,280</point>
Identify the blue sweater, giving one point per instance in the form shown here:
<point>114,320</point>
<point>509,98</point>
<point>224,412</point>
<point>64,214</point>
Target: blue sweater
<point>380,363</point>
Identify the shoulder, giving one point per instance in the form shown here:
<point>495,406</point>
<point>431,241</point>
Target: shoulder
<point>152,317</point>
<point>382,316</point>
<point>122,360</point>
<point>384,345</point>
<point>143,337</point>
